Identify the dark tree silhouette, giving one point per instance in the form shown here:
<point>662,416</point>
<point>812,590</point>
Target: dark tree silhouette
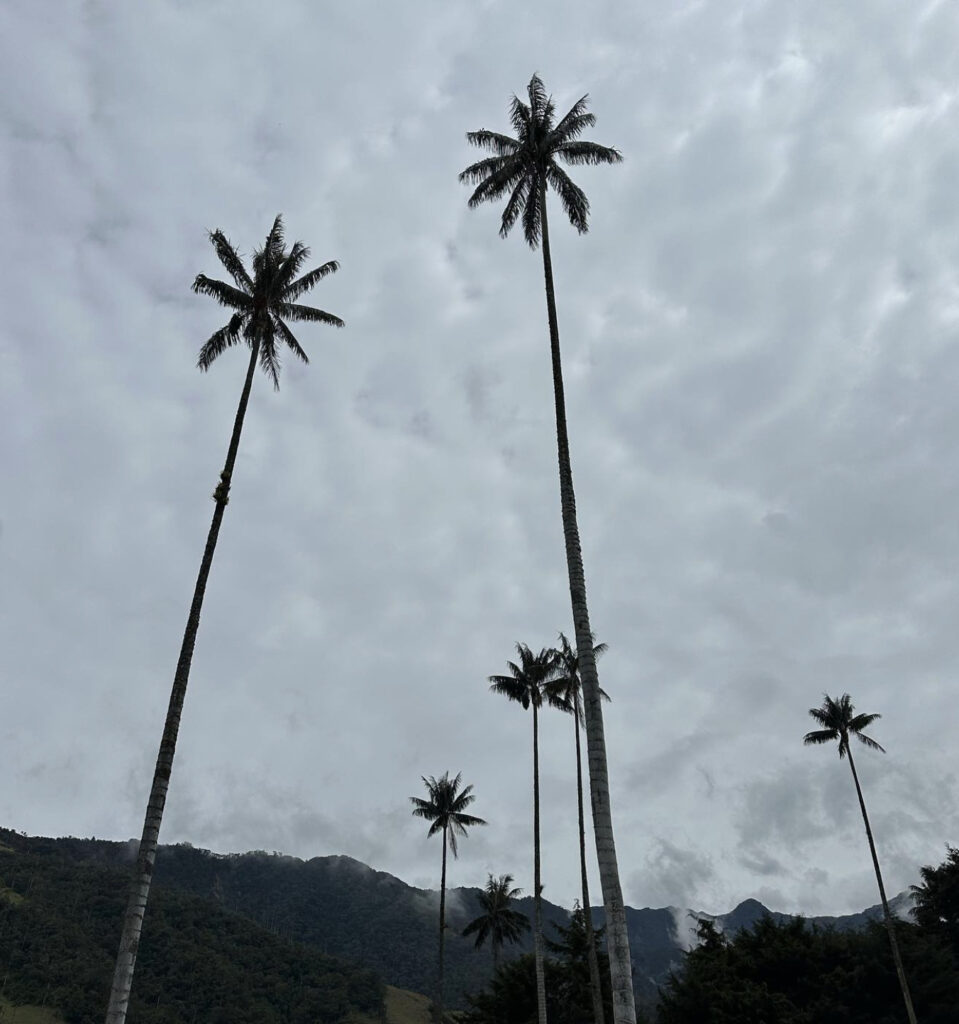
<point>262,303</point>
<point>499,922</point>
<point>521,170</point>
<point>937,899</point>
<point>445,809</point>
<point>839,723</point>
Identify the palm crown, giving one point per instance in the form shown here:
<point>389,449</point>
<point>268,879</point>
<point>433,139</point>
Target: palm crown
<point>526,166</point>
<point>264,301</point>
<point>446,807</point>
<point>499,922</point>
<point>839,723</point>
<point>565,690</point>
<point>527,681</point>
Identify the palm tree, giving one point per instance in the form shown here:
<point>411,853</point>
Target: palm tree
<point>445,809</point>
<point>526,684</point>
<point>564,692</point>
<point>839,723</point>
<point>524,168</point>
<point>262,303</point>
<point>499,922</point>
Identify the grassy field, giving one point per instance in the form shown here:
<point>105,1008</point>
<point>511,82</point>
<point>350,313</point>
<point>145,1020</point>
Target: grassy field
<point>10,1014</point>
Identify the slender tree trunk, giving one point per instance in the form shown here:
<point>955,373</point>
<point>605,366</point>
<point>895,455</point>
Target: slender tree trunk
<point>537,884</point>
<point>438,1002</point>
<point>887,916</point>
<point>595,985</point>
<point>143,874</point>
<point>617,938</point>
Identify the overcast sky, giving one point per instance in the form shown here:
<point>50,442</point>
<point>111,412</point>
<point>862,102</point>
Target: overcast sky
<point>760,343</point>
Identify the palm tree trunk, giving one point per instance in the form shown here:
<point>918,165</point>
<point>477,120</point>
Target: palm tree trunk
<point>143,874</point>
<point>537,885</point>
<point>595,985</point>
<point>887,916</point>
<point>438,1002</point>
<point>617,938</point>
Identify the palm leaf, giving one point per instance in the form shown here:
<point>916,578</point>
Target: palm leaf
<point>293,291</point>
<point>230,259</point>
<point>588,153</point>
<point>224,293</point>
<point>287,335</point>
<point>219,342</point>
<point>573,198</point>
<point>501,145</point>
<point>293,311</point>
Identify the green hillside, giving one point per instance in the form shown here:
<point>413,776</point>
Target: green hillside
<point>59,925</point>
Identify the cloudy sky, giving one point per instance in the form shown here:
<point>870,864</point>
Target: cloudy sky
<point>760,342</point>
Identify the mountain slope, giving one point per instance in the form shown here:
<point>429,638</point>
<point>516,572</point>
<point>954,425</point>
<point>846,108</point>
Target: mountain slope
<point>340,906</point>
<point>59,923</point>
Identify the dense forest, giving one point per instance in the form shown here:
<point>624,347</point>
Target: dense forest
<point>198,961</point>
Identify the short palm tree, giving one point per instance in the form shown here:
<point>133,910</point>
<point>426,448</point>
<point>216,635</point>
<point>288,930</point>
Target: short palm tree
<point>445,809</point>
<point>521,170</point>
<point>839,722</point>
<point>262,302</point>
<point>565,692</point>
<point>499,922</point>
<point>526,684</point>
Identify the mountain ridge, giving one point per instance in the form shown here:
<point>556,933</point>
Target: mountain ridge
<point>348,909</point>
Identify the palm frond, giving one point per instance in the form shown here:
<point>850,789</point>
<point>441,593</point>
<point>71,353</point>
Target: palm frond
<point>269,357</point>
<point>538,99</point>
<point>228,256</point>
<point>483,169</point>
<point>515,206</point>
<point>588,153</point>
<point>573,122</point>
<point>498,183</point>
<point>495,142</point>
<point>573,198</point>
<point>869,742</point>
<point>274,248</point>
<point>294,290</point>
<point>512,689</point>
<point>861,722</point>
<point>293,311</point>
<point>224,293</point>
<point>290,267</point>
<point>219,342</point>
<point>820,736</point>
<point>520,118</point>
<point>287,335</point>
<point>532,211</point>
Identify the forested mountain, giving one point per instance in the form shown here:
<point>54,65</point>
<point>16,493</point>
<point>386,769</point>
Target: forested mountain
<point>61,903</point>
<point>228,920</point>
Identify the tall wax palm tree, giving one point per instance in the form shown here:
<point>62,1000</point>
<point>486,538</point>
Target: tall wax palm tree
<point>499,922</point>
<point>262,302</point>
<point>526,684</point>
<point>565,692</point>
<point>445,809</point>
<point>839,722</point>
<point>522,170</point>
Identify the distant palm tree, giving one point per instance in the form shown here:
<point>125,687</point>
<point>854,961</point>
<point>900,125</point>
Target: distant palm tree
<point>526,684</point>
<point>839,723</point>
<point>564,692</point>
<point>445,809</point>
<point>262,304</point>
<point>523,169</point>
<point>499,922</point>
